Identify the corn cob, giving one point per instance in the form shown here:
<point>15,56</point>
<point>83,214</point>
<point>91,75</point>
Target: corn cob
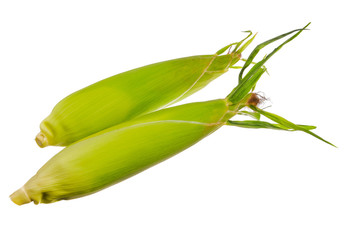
<point>133,93</point>
<point>119,152</point>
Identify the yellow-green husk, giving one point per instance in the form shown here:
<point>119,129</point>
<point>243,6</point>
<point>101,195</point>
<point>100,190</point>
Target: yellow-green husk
<point>127,95</point>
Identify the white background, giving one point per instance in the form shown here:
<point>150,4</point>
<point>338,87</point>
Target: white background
<point>235,184</point>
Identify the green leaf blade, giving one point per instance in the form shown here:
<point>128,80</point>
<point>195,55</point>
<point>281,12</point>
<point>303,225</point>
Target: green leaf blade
<point>287,124</point>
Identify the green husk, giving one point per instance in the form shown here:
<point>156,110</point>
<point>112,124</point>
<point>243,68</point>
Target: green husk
<point>133,93</point>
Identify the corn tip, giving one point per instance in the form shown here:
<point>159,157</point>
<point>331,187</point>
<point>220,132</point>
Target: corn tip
<point>20,197</point>
<point>41,140</point>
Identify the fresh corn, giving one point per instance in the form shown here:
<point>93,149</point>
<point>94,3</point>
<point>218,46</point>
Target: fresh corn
<point>133,93</point>
<point>119,152</point>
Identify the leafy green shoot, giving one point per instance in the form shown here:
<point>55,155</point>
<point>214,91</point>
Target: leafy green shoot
<point>263,124</point>
<point>280,123</point>
<point>248,82</point>
<point>264,44</point>
<point>286,124</point>
<point>240,95</point>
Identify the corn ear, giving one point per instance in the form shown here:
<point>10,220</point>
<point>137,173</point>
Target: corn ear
<point>121,151</point>
<point>127,95</point>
